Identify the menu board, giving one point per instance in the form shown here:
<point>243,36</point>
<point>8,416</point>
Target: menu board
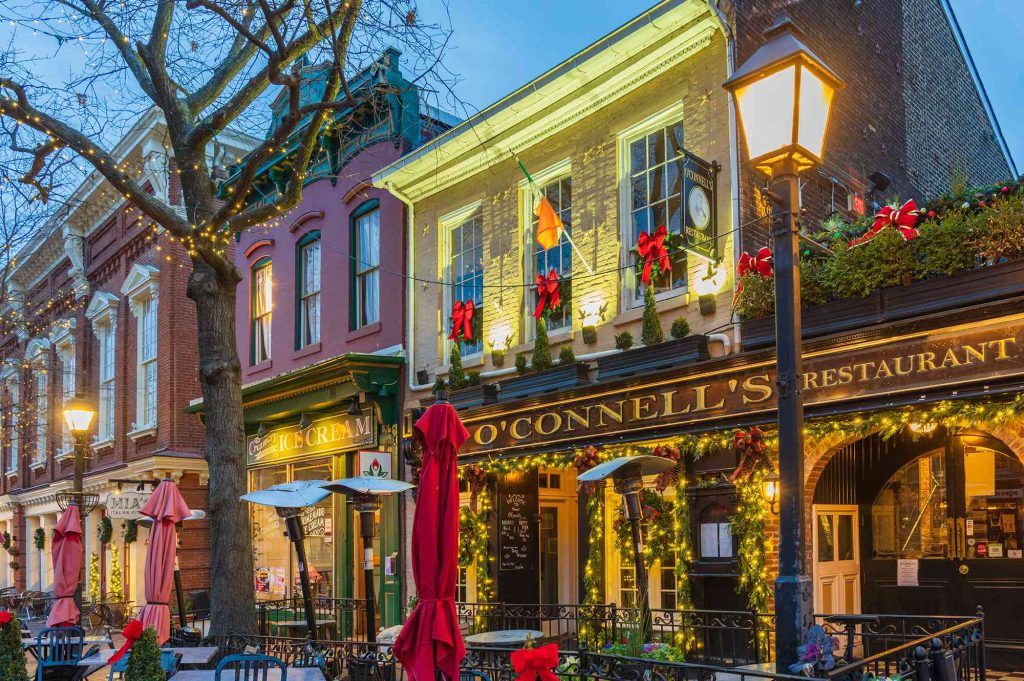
<point>517,536</point>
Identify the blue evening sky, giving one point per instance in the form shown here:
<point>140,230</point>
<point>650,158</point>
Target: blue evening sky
<point>498,46</point>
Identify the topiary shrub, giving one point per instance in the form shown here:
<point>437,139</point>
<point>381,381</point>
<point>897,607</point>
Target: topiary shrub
<point>13,665</point>
<point>456,375</point>
<point>541,358</point>
<point>651,332</point>
<point>566,355</point>
<point>144,660</point>
<point>438,385</point>
<point>680,328</point>
<point>522,364</point>
<point>624,340</point>
<point>472,379</point>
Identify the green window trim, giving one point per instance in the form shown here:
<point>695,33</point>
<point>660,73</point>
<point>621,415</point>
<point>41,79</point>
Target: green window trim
<point>365,208</point>
<point>263,262</point>
<point>308,238</point>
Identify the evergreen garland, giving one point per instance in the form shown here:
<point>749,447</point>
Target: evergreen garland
<point>657,527</point>
<point>651,332</point>
<point>13,665</point>
<point>541,359</point>
<point>5,541</point>
<point>749,528</point>
<point>39,538</point>
<point>686,638</point>
<point>591,620</point>
<point>130,530</point>
<point>105,530</point>
<point>456,375</point>
<point>144,660</point>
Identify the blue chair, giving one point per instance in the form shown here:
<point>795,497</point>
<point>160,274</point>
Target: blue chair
<point>250,667</point>
<point>168,661</point>
<point>471,674</point>
<point>58,650</point>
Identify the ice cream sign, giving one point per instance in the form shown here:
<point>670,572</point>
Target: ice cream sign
<point>374,464</point>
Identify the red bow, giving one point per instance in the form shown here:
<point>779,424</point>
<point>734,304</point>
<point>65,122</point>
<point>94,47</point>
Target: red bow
<point>462,320</point>
<point>547,293</point>
<point>536,664</point>
<point>760,263</point>
<point>651,249</point>
<point>5,617</point>
<point>903,218</point>
<point>131,632</point>
<point>753,454</point>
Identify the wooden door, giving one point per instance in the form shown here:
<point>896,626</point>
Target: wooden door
<point>836,560</point>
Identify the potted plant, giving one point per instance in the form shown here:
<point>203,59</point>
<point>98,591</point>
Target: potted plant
<point>13,665</point>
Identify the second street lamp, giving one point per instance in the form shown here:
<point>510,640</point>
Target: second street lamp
<point>784,94</point>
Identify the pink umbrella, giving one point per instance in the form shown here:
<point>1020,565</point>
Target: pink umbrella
<point>66,551</point>
<point>166,507</point>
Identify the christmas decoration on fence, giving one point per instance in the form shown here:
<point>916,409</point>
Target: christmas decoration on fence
<point>753,453</point>
<point>39,538</point>
<point>902,218</point>
<point>130,531</point>
<point>131,632</point>
<point>94,578</point>
<point>105,530</point>
<point>536,664</point>
<point>547,294</point>
<point>13,663</point>
<point>462,320</point>
<point>761,263</point>
<point>652,252</point>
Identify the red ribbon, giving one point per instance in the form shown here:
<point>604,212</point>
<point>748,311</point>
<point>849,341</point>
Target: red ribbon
<point>547,293</point>
<point>903,219</point>
<point>760,263</point>
<point>462,320</point>
<point>131,632</point>
<point>536,664</point>
<point>5,617</point>
<point>651,249</point>
<point>751,445</point>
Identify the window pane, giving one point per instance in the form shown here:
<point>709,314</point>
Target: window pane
<point>994,494</point>
<point>638,155</point>
<point>909,514</point>
<point>844,535</point>
<point>826,539</point>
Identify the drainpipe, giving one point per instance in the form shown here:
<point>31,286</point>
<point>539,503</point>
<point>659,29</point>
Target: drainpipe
<point>734,152</point>
<point>410,289</point>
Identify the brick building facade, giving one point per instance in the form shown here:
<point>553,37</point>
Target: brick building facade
<point>99,310</point>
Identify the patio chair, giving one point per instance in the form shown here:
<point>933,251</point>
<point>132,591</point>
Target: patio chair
<point>471,674</point>
<point>185,638</point>
<point>249,668</point>
<point>58,650</point>
<point>309,659</point>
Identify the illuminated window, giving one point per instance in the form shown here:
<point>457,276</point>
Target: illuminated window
<point>65,343</point>
<point>12,435</point>
<point>102,312</point>
<point>309,290</point>
<point>141,289</point>
<point>367,266</point>
<point>466,274</point>
<point>559,256</point>
<point>262,296</point>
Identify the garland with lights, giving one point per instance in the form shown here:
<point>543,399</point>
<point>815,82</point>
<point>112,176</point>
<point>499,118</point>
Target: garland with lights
<point>686,638</point>
<point>658,529</point>
<point>474,531</point>
<point>591,620</point>
<point>749,526</point>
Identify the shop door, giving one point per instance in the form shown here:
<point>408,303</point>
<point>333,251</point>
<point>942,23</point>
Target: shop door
<point>836,560</point>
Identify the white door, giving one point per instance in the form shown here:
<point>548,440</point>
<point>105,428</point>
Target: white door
<point>836,560</point>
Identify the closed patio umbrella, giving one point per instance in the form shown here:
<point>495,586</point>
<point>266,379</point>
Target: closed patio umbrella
<point>166,507</point>
<point>430,639</point>
<point>66,551</point>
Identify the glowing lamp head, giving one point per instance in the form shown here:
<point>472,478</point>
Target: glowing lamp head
<point>770,490</point>
<point>78,414</point>
<point>711,281</point>
<point>784,95</point>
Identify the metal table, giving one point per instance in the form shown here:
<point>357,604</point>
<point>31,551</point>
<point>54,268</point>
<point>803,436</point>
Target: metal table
<point>91,640</point>
<point>189,656</point>
<point>294,674</point>
<point>507,637</point>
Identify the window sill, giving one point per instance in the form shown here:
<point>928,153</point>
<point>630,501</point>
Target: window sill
<point>139,433</point>
<point>677,301</point>
<point>261,366</point>
<point>468,362</point>
<point>37,466</point>
<point>364,331</point>
<point>307,350</point>
<point>565,334</point>
<point>103,445</point>
<point>61,455</point>
<point>11,474</point>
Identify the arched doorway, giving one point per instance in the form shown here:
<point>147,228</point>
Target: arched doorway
<point>923,523</point>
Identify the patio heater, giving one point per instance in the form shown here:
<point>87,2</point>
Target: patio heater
<point>179,593</point>
<point>627,473</point>
<point>288,499</point>
<point>784,95</point>
<point>367,494</point>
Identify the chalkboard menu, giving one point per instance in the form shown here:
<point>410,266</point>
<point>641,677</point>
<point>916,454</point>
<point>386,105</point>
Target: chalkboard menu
<point>517,538</point>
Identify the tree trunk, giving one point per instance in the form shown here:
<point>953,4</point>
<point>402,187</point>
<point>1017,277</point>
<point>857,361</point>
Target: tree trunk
<point>233,606</point>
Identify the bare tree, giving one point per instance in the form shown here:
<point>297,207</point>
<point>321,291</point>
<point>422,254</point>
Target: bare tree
<point>207,65</point>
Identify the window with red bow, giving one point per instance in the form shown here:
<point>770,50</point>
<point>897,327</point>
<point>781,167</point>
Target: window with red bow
<point>466,268</point>
<point>558,257</point>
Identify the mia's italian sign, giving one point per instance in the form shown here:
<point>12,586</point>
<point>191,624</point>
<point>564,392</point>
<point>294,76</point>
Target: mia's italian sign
<point>126,505</point>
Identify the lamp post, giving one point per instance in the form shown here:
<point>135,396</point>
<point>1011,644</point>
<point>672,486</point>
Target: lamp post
<point>784,95</point>
<point>367,494</point>
<point>628,473</point>
<point>78,415</point>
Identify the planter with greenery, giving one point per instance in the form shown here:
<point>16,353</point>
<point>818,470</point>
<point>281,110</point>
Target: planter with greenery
<point>13,664</point>
<point>144,660</point>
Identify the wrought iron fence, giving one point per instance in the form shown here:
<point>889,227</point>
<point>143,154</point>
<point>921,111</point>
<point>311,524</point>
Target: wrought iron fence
<point>336,618</point>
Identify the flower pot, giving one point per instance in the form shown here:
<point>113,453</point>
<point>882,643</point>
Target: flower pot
<point>650,359</point>
<point>467,398</point>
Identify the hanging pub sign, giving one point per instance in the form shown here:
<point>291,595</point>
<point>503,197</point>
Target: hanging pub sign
<point>700,214</point>
<point>320,437</point>
<point>126,505</point>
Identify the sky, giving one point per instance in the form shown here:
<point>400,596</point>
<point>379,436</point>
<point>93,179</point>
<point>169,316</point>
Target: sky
<point>498,46</point>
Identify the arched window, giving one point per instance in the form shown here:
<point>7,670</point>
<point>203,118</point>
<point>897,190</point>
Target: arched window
<point>308,287</point>
<point>261,293</point>
<point>365,298</point>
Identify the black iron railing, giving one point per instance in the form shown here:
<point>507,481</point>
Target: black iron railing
<point>336,618</point>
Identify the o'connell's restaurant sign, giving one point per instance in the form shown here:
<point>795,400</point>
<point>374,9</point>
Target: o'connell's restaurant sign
<point>320,437</point>
<point>971,353</point>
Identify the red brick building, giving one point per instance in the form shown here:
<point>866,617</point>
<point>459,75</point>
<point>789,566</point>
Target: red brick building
<point>99,309</point>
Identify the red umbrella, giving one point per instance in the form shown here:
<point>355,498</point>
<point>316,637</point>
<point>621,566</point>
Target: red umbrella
<point>166,507</point>
<point>67,554</point>
<point>430,638</point>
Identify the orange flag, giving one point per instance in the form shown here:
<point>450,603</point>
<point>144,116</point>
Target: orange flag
<point>549,225</point>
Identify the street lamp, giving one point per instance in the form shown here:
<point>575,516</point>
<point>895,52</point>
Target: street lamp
<point>784,95</point>
<point>367,494</point>
<point>78,415</point>
<point>628,473</point>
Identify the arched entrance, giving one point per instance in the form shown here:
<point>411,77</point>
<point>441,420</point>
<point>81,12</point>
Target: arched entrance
<point>924,523</point>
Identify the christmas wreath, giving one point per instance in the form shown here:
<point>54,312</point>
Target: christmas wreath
<point>130,528</point>
<point>39,538</point>
<point>657,528</point>
<point>105,530</point>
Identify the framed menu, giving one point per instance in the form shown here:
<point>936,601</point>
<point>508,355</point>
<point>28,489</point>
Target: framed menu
<point>517,509</point>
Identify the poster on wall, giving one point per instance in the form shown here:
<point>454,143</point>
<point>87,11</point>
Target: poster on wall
<point>262,580</point>
<point>375,464</point>
<point>906,572</point>
<point>277,581</point>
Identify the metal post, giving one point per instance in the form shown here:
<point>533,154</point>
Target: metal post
<point>793,593</point>
<point>179,593</point>
<point>293,524</point>
<point>367,528</point>
<point>630,491</point>
<point>77,486</point>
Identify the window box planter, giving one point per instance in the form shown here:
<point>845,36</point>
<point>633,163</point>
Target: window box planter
<point>467,398</point>
<point>938,294</point>
<point>559,377</point>
<point>668,355</point>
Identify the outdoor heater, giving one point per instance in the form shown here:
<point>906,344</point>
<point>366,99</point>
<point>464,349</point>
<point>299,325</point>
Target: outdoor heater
<point>366,494</point>
<point>288,499</point>
<point>628,473</point>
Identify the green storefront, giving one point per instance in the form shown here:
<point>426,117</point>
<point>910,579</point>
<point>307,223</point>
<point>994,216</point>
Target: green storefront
<point>334,419</point>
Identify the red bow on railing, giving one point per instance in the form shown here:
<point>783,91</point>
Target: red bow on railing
<point>760,263</point>
<point>903,218</point>
<point>752,450</point>
<point>5,617</point>
<point>536,664</point>
<point>131,632</point>
<point>462,320</point>
<point>547,293</point>
<point>652,249</point>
